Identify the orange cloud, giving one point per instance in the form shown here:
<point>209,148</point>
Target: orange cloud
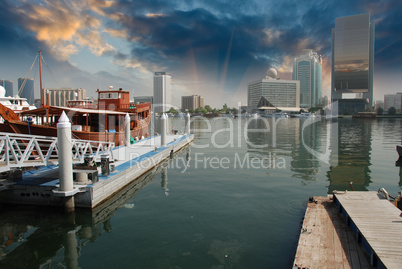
<point>271,35</point>
<point>154,15</point>
<point>117,33</point>
<point>65,26</point>
<point>99,5</point>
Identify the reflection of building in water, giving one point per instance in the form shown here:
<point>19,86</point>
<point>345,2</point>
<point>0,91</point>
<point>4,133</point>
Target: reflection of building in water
<point>283,138</point>
<point>303,162</point>
<point>353,158</point>
<point>200,126</point>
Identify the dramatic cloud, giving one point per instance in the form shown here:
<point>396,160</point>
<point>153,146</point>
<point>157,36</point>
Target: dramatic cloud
<point>63,26</point>
<point>210,47</point>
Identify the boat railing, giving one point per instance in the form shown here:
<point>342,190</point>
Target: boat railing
<point>122,106</point>
<point>19,150</point>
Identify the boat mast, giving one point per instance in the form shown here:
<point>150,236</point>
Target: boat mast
<point>40,78</point>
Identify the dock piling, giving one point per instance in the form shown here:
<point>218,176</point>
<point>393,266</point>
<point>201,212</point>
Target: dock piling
<point>127,130</point>
<point>65,160</point>
<point>188,123</point>
<point>163,129</point>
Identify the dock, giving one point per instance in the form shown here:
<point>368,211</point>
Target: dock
<point>40,186</point>
<point>350,230</point>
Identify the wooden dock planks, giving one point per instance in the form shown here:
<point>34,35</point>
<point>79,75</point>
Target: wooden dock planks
<point>325,241</point>
<point>378,222</point>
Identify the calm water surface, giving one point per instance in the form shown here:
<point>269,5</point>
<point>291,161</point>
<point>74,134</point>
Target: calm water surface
<point>234,199</point>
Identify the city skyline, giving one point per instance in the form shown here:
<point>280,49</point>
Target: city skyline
<point>210,48</point>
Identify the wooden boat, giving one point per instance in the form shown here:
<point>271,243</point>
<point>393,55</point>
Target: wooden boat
<point>101,122</point>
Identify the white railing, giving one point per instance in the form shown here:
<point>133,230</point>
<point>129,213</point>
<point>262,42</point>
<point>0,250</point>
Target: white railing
<point>18,150</point>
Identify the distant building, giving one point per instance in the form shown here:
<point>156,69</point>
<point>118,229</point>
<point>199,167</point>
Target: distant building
<point>59,97</point>
<point>192,102</point>
<point>353,60</point>
<point>9,86</point>
<point>274,92</point>
<point>37,102</point>
<point>162,92</point>
<point>26,89</point>
<point>149,99</point>
<point>379,103</point>
<point>308,70</point>
<point>393,100</point>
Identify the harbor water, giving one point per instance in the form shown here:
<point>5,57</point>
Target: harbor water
<point>235,198</point>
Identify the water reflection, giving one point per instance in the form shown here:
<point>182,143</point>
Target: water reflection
<point>38,237</point>
<point>354,156</point>
<point>283,137</point>
<point>341,148</point>
<point>164,181</point>
<point>303,162</point>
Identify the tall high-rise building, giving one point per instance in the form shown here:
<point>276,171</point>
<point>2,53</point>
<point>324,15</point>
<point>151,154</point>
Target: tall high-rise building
<point>26,89</point>
<point>192,102</point>
<point>279,93</point>
<point>308,70</point>
<point>353,58</point>
<point>162,92</point>
<point>9,86</point>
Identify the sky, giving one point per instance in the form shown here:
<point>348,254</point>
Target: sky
<point>212,48</point>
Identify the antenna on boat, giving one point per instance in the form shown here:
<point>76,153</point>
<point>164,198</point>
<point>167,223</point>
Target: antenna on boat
<point>40,78</point>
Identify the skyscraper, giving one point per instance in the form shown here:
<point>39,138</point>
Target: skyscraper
<point>162,92</point>
<point>26,89</point>
<point>9,86</point>
<point>308,70</point>
<point>353,58</point>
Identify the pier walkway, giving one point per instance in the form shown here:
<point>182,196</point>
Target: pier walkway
<point>354,230</point>
<point>325,241</point>
<point>127,163</point>
<point>376,224</point>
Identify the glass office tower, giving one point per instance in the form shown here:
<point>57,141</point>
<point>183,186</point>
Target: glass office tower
<point>308,70</point>
<point>353,57</point>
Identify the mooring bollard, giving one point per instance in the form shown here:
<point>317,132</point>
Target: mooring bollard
<point>127,130</point>
<point>105,165</point>
<point>163,129</point>
<point>65,159</point>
